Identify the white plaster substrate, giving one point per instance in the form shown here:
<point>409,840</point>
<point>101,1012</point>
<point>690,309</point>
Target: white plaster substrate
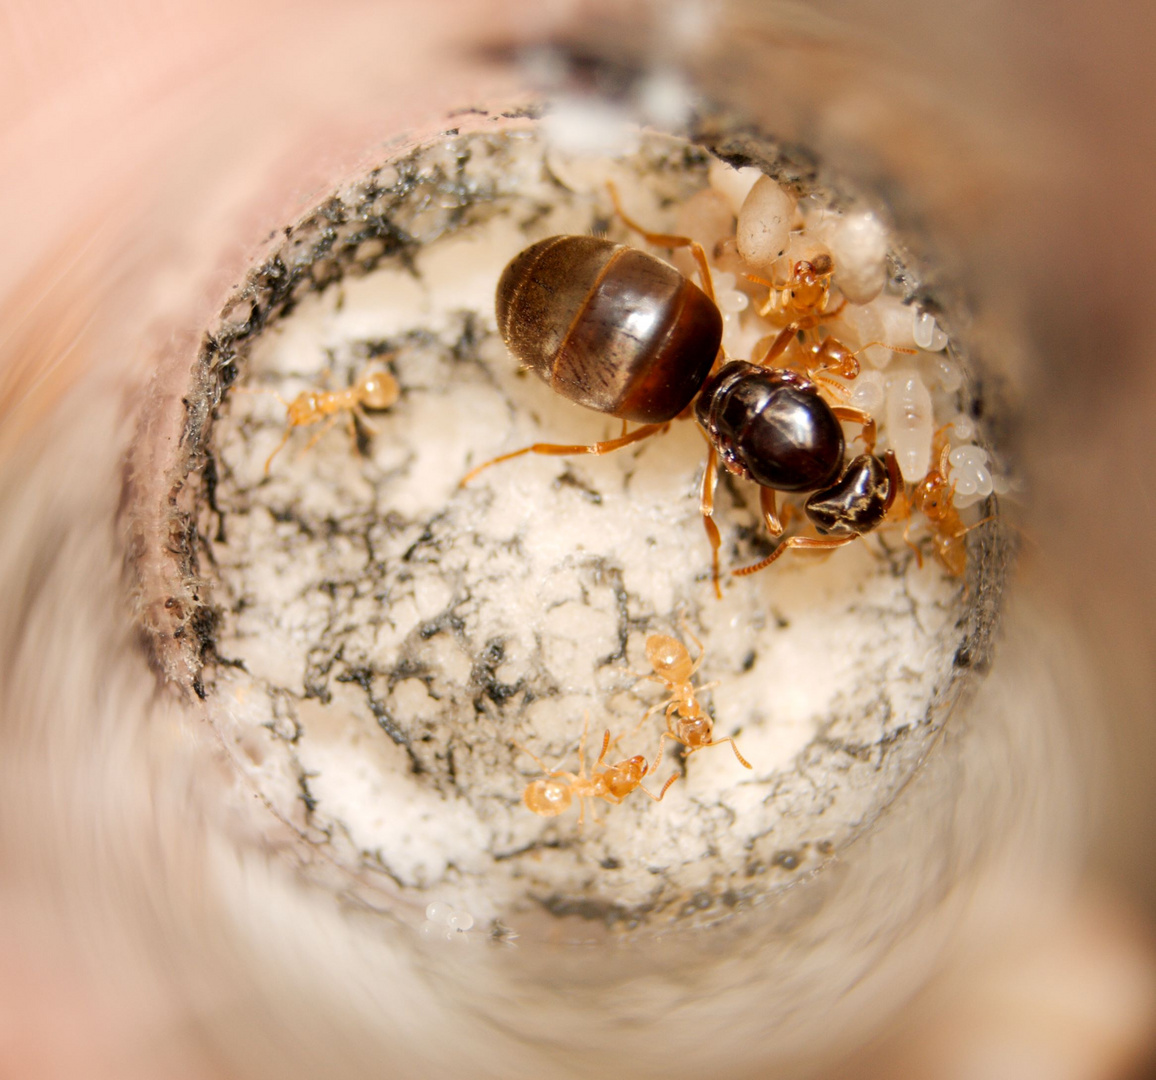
<point>395,634</point>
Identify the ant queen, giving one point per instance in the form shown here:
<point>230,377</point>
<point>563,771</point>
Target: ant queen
<point>620,331</point>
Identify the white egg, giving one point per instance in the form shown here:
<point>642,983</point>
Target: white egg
<point>764,224</point>
<point>910,422</point>
<point>732,184</point>
<point>461,921</point>
<point>858,244</point>
<point>926,332</point>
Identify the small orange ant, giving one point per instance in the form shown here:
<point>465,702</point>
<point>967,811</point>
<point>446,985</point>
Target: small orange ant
<point>374,389</point>
<point>553,793</point>
<point>801,300</point>
<point>934,497</point>
<point>686,720</point>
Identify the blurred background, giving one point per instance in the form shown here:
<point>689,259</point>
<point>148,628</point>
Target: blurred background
<point>148,152</point>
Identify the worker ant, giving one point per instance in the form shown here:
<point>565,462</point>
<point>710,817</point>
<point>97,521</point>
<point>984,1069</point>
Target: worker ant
<point>687,722</point>
<point>553,793</point>
<point>620,331</point>
<point>934,497</point>
<point>374,389</point>
<point>802,299</point>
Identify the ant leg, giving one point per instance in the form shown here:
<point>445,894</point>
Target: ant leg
<point>647,676</point>
<point>941,449</point>
<point>774,293</point>
<point>538,761</point>
<point>834,312</point>
<point>684,624</point>
<point>806,543</point>
<point>582,745</point>
<point>735,747</point>
<point>858,416</point>
<point>250,390</point>
<point>558,449</point>
<point>615,741</point>
<point>363,416</point>
<point>770,513</point>
<point>667,241</point>
<point>780,344</point>
<point>706,508</point>
<point>894,481</point>
<point>648,714</point>
<point>964,531</point>
<point>697,644</point>
<point>280,446</point>
<point>320,434</point>
<point>351,427</point>
<point>907,538</point>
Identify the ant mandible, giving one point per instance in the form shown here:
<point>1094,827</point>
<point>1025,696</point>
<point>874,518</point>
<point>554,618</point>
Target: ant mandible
<point>620,331</point>
<point>687,722</point>
<point>374,389</point>
<point>553,793</point>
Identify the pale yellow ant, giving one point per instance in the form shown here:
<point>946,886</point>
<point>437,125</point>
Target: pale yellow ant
<point>374,389</point>
<point>553,793</point>
<point>934,497</point>
<point>801,300</point>
<point>686,720</point>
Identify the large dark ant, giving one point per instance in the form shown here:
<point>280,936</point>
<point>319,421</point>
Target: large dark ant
<point>620,331</point>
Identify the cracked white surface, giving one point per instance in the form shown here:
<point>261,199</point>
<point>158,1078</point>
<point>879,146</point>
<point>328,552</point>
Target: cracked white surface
<point>398,633</point>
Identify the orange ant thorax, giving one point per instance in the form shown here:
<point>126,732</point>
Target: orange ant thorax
<point>306,408</point>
